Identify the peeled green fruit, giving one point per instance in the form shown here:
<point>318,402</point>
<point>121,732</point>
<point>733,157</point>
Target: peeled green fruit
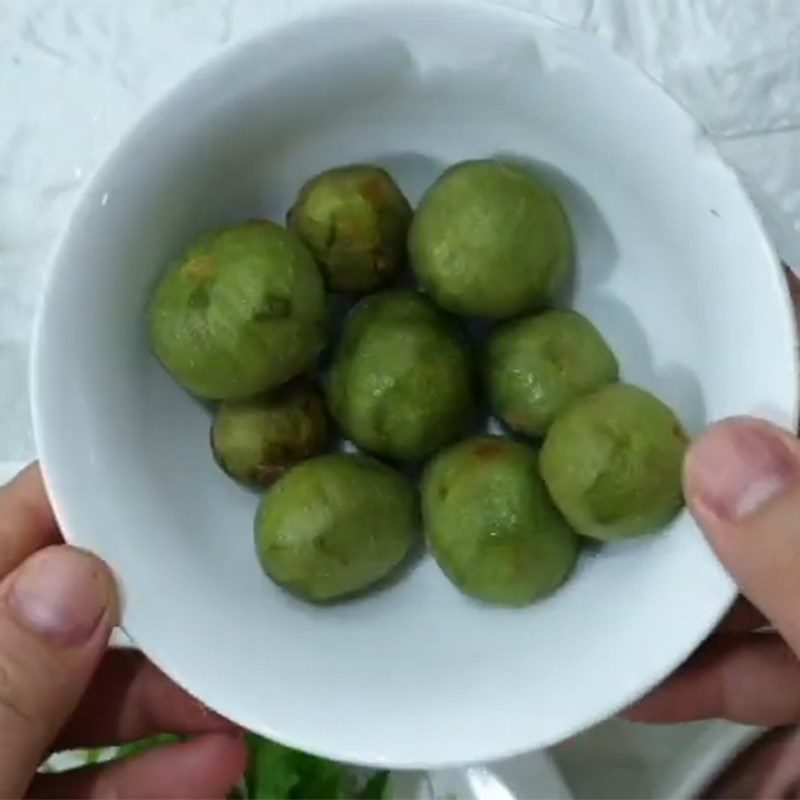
<point>489,239</point>
<point>401,381</point>
<point>537,366</point>
<point>355,221</point>
<point>257,440</point>
<point>612,462</point>
<point>491,525</point>
<point>335,525</point>
<point>242,312</point>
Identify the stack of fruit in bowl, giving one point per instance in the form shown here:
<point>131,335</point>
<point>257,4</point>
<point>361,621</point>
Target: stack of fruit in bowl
<point>243,318</point>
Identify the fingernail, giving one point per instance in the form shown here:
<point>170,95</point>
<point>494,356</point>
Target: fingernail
<point>60,594</point>
<point>739,467</point>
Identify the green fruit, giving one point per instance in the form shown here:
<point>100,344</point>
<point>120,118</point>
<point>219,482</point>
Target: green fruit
<point>401,381</point>
<point>242,312</point>
<point>537,366</point>
<point>491,525</point>
<point>355,221</point>
<point>335,525</point>
<point>256,441</point>
<point>489,239</point>
<point>612,463</point>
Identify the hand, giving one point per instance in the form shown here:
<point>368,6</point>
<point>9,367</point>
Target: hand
<point>60,687</point>
<point>742,484</point>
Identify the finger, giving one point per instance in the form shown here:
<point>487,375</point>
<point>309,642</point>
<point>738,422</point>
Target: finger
<point>753,679</point>
<point>130,699</point>
<point>793,283</point>
<point>769,767</point>
<point>743,618</point>
<point>206,767</point>
<point>742,483</point>
<point>782,757</point>
<point>56,614</point>
<point>27,523</point>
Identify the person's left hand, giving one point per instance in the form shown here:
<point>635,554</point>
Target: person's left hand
<point>61,688</point>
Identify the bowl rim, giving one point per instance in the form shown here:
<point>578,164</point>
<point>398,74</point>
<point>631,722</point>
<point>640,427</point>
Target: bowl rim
<point>108,165</point>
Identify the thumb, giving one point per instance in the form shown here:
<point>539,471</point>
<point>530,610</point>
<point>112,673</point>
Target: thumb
<point>742,483</point>
<point>56,613</point>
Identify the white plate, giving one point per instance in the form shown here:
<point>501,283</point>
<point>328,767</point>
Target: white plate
<point>673,265</point>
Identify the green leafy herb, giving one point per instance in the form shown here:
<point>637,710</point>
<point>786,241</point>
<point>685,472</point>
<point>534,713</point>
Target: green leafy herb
<point>376,788</point>
<point>93,755</point>
<point>277,772</point>
<point>134,748</point>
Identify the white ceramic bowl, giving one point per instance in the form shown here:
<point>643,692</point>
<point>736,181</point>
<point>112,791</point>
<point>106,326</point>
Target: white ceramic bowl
<point>673,265</point>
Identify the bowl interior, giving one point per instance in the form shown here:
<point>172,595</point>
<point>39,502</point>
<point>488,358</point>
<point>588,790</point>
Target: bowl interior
<point>673,266</point>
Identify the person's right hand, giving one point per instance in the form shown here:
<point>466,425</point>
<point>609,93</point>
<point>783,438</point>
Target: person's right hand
<point>742,484</point>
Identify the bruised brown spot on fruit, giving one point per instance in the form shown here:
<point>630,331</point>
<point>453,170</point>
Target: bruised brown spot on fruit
<point>199,269</point>
<point>514,420</point>
<point>487,451</point>
<point>443,491</point>
<point>349,231</point>
<point>377,190</point>
<point>267,474</point>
